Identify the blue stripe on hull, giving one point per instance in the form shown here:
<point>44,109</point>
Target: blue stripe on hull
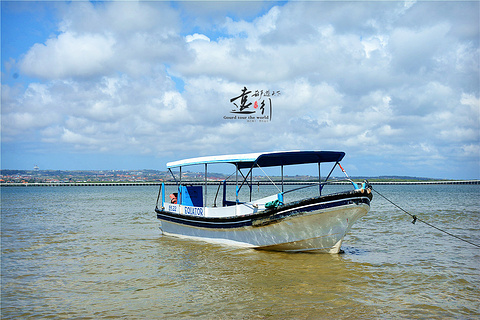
<point>262,218</point>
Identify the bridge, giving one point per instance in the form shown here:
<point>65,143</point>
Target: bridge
<point>157,183</point>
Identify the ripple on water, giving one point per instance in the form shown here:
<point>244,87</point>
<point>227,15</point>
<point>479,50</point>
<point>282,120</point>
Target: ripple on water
<point>98,253</point>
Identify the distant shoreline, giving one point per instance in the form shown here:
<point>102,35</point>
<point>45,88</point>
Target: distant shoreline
<point>156,183</point>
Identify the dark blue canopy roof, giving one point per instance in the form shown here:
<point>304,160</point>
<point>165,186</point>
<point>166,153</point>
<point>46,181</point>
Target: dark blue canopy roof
<point>267,159</point>
<point>296,157</point>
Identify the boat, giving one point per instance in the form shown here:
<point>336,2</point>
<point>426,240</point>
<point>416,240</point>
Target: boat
<point>277,221</point>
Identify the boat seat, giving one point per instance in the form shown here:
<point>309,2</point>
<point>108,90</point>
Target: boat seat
<point>229,203</point>
<point>192,196</point>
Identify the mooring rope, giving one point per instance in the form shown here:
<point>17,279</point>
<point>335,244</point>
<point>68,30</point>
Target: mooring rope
<point>158,197</point>
<point>415,219</point>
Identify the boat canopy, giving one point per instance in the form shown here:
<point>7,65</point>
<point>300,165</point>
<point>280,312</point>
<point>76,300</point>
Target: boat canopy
<point>267,159</point>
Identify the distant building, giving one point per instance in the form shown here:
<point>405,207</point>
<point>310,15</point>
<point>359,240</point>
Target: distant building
<point>35,168</point>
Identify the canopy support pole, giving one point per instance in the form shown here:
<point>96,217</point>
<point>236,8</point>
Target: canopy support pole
<point>331,171</point>
<point>320,186</point>
<point>175,179</point>
<point>236,182</point>
<point>180,188</point>
<point>251,183</point>
<point>282,176</point>
<point>205,193</point>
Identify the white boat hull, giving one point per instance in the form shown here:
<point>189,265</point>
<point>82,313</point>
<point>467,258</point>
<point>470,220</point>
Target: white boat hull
<point>318,230</point>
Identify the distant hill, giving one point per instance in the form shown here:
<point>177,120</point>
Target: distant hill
<point>157,175</point>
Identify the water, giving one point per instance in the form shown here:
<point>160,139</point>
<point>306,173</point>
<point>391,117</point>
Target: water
<point>97,252</point>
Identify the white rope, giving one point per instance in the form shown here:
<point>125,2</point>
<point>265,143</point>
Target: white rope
<point>269,178</point>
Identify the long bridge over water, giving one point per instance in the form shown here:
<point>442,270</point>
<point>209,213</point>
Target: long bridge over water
<point>157,183</point>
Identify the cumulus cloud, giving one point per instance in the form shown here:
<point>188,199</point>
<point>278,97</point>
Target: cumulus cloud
<point>69,55</point>
<point>196,36</point>
<point>103,39</point>
<point>417,50</point>
<point>152,78</point>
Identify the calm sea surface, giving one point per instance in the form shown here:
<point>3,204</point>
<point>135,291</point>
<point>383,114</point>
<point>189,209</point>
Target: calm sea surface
<point>98,252</point>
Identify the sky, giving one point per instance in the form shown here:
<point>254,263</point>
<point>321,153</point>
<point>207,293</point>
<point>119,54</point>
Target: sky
<point>134,85</point>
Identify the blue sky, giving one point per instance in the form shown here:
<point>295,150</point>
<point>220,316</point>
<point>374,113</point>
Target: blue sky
<point>133,85</point>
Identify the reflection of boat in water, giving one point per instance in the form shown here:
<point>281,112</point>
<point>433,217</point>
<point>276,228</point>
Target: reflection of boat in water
<point>314,224</point>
